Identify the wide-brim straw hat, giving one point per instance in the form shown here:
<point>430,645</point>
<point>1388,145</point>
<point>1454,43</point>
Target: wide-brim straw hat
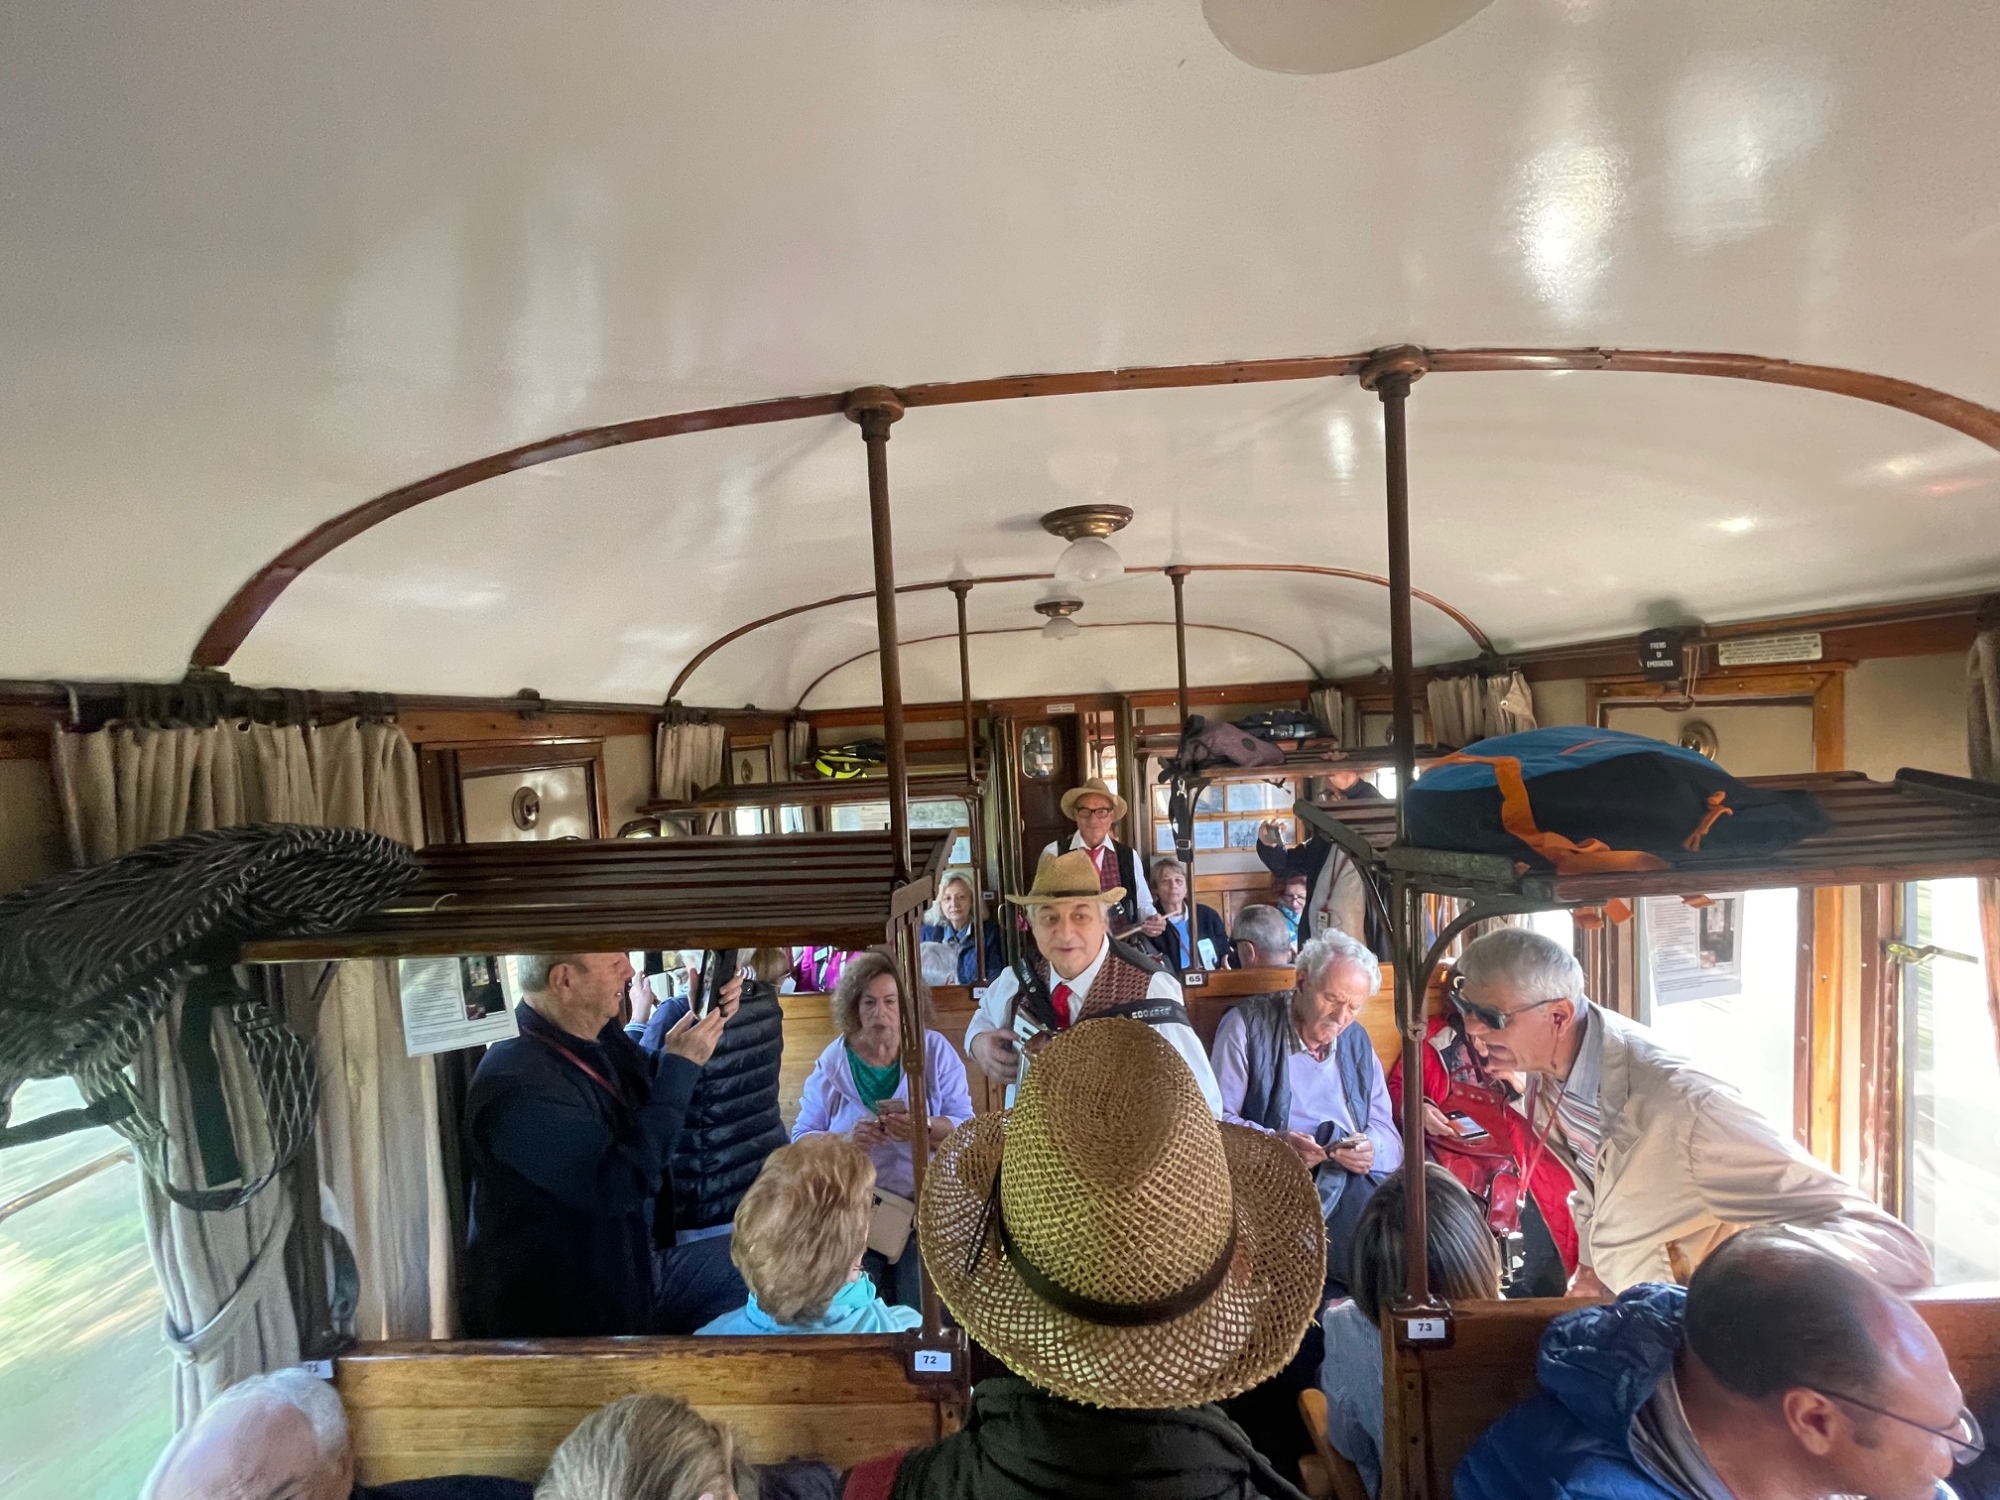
<point>1096,784</point>
<point>1067,877</point>
<point>1133,1253</point>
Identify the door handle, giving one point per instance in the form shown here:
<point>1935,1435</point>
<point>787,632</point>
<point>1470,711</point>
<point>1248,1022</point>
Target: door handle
<point>1903,953</point>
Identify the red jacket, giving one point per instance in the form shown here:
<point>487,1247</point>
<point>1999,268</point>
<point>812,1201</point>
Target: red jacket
<point>1457,1083</point>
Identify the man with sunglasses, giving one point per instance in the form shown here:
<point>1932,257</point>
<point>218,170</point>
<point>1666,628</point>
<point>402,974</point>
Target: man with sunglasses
<point>1780,1373</point>
<point>1667,1160</point>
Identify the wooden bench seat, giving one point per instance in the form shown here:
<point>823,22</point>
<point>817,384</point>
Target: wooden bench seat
<point>421,1409</point>
<point>1448,1397</point>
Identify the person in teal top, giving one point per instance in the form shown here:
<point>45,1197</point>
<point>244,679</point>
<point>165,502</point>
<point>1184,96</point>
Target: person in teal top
<point>799,1237</point>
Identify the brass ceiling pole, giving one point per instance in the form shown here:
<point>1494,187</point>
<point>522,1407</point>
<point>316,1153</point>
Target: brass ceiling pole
<point>1390,374</point>
<point>975,804</point>
<point>875,407</point>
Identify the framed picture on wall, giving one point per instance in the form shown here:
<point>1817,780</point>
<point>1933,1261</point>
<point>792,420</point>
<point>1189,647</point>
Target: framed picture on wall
<point>750,765</point>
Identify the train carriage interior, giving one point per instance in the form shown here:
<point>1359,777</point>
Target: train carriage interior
<point>495,488</point>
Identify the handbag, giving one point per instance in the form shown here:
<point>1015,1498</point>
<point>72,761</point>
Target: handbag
<point>889,1230</point>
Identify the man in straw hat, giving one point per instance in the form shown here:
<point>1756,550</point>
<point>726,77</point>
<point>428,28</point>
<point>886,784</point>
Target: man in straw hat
<point>1094,808</point>
<point>1129,1277</point>
<point>1080,972</point>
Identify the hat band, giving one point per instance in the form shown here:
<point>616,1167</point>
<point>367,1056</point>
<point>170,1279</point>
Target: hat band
<point>1112,1314</point>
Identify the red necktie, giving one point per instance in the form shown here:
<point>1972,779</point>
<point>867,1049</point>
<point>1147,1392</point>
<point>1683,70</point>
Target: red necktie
<point>1059,997</point>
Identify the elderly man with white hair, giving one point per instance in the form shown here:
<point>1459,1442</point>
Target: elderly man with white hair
<point>1668,1161</point>
<point>1295,1063</point>
<point>283,1436</point>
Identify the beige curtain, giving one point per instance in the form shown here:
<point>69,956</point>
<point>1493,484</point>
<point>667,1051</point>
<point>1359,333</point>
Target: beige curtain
<point>1331,712</point>
<point>228,1302</point>
<point>1982,745</point>
<point>1464,709</point>
<point>687,758</point>
<point>791,749</point>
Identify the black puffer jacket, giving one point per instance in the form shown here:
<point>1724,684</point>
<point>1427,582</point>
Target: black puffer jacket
<point>732,1122</point>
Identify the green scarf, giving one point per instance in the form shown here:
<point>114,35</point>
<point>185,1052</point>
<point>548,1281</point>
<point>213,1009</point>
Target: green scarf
<point>872,1083</point>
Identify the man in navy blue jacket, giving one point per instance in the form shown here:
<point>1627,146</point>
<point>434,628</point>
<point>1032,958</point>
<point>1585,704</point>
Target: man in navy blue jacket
<point>1780,1373</point>
<point>569,1127</point>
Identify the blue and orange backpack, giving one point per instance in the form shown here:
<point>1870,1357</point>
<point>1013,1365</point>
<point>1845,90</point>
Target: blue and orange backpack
<point>1582,801</point>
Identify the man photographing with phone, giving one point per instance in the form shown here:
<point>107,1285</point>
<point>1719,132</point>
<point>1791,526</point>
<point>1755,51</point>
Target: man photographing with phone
<point>1294,1063</point>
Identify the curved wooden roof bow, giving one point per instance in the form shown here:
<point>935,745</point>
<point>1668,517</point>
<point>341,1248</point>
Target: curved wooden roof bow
<point>248,605</point>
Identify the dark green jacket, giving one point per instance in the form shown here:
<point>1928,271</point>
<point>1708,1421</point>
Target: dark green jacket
<point>1020,1443</point>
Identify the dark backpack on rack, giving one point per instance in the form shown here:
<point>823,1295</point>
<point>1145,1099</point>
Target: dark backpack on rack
<point>1580,800</point>
<point>1279,724</point>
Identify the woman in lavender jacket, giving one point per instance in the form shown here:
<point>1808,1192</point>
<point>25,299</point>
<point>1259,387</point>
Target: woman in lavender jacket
<point>857,1089</point>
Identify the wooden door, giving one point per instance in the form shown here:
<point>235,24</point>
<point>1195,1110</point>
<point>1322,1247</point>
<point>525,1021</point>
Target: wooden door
<point>1048,760</point>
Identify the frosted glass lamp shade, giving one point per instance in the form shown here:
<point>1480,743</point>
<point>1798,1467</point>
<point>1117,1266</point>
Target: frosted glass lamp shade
<point>1061,628</point>
<point>1089,559</point>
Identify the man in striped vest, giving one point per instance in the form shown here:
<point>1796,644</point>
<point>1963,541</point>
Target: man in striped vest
<point>1079,974</point>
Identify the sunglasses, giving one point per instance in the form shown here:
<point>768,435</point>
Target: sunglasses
<point>1963,1437</point>
<point>1486,1015</point>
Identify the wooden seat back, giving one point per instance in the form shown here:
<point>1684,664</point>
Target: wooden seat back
<point>1224,989</point>
<point>1437,1402</point>
<point>809,1030</point>
<point>422,1409</point>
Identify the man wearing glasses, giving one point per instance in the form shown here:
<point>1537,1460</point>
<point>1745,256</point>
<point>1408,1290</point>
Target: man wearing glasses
<point>1780,1371</point>
<point>1668,1162</point>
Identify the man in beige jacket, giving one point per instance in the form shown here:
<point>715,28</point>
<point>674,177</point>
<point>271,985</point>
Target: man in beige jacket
<point>1668,1161</point>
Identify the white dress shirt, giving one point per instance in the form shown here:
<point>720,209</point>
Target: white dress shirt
<point>1106,859</point>
<point>992,1016</point>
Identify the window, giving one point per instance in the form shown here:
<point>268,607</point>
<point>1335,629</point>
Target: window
<point>86,1382</point>
<point>1227,814</point>
<point>1720,986</point>
<point>1951,1089</point>
<point>933,812</point>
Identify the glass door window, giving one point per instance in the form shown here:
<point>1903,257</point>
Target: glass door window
<point>1951,1084</point>
<point>1720,986</point>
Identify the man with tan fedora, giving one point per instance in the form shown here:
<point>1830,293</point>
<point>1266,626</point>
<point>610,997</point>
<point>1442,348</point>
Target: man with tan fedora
<point>1095,808</point>
<point>1128,1278</point>
<point>1079,972</point>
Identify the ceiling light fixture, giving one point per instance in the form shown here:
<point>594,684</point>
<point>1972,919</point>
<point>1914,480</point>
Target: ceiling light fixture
<point>1088,558</point>
<point>1331,36</point>
<point>1058,611</point>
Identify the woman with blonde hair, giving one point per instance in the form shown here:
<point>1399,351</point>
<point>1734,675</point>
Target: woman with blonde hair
<point>954,919</point>
<point>648,1448</point>
<point>857,1090</point>
<point>800,1234</point>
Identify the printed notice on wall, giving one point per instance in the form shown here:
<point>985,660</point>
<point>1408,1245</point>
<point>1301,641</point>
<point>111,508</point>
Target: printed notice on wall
<point>449,1003</point>
<point>1694,952</point>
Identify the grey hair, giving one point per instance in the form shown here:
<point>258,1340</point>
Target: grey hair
<point>1263,926</point>
<point>939,962</point>
<point>1335,947</point>
<point>648,1448</point>
<point>1539,967</point>
<point>301,1390</point>
<point>1168,862</point>
<point>954,877</point>
<point>532,970</point>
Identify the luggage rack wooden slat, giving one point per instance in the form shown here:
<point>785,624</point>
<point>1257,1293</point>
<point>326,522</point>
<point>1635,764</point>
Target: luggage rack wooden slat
<point>923,788</point>
<point>771,890</point>
<point>1920,826</point>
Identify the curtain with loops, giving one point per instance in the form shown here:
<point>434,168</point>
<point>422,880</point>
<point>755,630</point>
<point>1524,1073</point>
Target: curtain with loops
<point>1464,709</point>
<point>687,759</point>
<point>229,1309</point>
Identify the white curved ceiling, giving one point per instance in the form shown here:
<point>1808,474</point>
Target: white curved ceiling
<point>262,263</point>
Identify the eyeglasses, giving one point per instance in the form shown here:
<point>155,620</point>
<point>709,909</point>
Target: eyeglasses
<point>1486,1015</point>
<point>1963,1437</point>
